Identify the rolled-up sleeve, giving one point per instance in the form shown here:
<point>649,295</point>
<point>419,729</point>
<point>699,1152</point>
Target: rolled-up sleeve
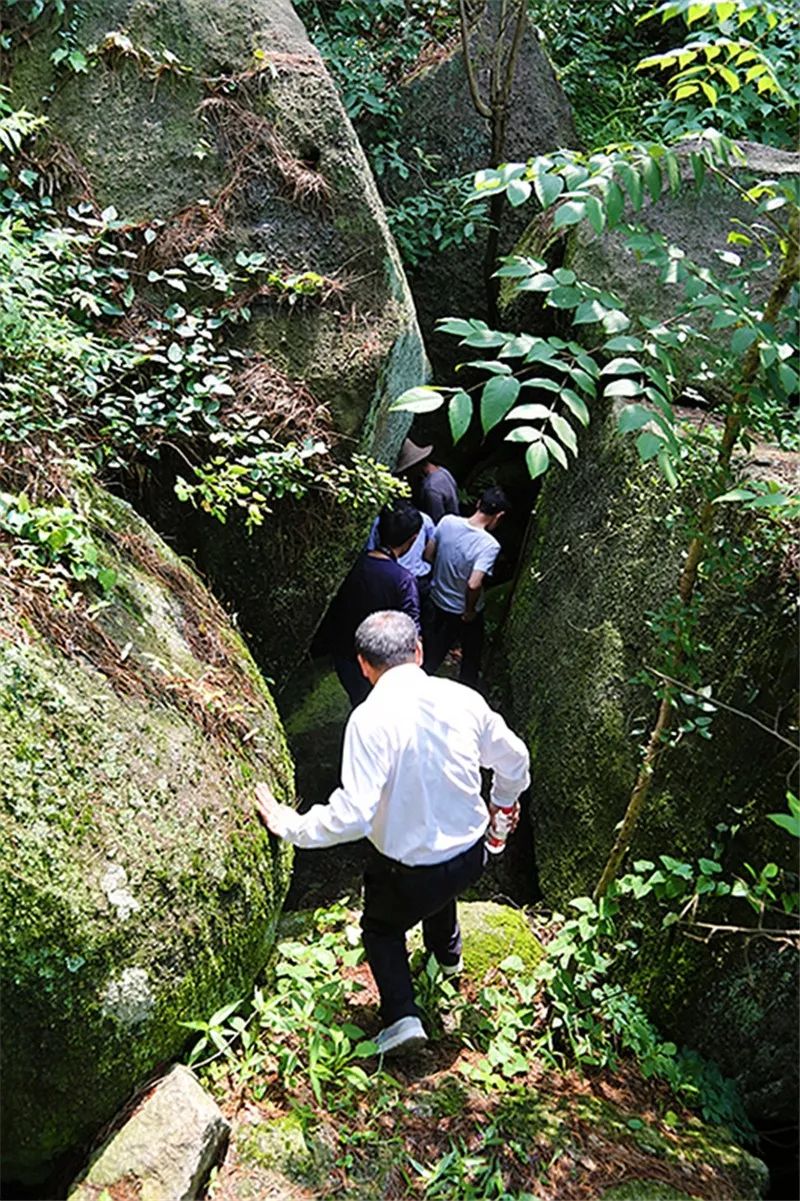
<point>351,808</point>
<point>507,755</point>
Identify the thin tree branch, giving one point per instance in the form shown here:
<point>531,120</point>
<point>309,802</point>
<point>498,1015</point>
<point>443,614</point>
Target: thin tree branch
<point>721,705</point>
<point>481,106</point>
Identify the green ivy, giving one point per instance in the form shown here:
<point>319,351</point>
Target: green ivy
<point>54,536</point>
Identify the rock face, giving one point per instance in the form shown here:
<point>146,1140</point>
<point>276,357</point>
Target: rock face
<point>440,119</point>
<point>604,558</point>
<point>165,1149</point>
<point>143,891</point>
<point>242,143</point>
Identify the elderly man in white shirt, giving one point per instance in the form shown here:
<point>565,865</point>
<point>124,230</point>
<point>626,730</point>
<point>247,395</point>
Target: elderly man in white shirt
<point>411,784</point>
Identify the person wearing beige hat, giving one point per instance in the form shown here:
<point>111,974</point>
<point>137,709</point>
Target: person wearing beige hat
<point>434,489</point>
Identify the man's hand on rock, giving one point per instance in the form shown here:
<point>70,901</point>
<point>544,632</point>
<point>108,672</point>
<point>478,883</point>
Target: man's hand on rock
<point>272,813</point>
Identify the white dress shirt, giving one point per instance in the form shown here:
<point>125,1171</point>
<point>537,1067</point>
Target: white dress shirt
<point>411,780</point>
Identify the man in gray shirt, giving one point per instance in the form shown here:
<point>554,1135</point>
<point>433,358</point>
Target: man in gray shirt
<point>463,551</point>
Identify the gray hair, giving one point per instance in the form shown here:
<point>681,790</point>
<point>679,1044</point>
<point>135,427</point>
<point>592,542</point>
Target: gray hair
<point>387,638</point>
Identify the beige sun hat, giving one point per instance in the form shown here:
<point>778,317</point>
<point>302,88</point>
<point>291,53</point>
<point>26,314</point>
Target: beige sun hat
<point>410,454</point>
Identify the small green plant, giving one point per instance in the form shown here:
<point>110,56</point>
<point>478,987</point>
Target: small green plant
<point>435,219</point>
<point>54,536</point>
<point>299,1030</point>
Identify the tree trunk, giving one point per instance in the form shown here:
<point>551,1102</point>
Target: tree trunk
<point>789,275</point>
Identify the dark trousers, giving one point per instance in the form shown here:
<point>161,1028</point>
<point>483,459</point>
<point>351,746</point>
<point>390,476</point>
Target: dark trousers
<point>395,899</point>
<point>441,631</point>
<point>354,683</point>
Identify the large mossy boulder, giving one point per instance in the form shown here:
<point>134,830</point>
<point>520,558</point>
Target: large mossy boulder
<point>601,565</point>
<point>220,121</point>
<point>139,890</point>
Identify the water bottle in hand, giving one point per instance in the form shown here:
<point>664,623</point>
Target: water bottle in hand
<point>497,833</point>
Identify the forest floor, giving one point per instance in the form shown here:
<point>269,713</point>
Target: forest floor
<point>444,1122</point>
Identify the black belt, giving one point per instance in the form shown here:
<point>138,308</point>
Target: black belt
<point>378,859</point>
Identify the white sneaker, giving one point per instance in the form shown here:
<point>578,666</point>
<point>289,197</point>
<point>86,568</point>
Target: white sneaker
<point>406,1034</point>
<point>452,969</point>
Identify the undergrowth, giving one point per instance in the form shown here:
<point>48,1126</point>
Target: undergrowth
<point>450,1126</point>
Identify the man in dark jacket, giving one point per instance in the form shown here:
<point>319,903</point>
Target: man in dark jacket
<point>377,581</point>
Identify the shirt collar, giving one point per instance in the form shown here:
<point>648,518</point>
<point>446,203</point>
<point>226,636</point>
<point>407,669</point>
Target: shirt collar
<point>403,674</point>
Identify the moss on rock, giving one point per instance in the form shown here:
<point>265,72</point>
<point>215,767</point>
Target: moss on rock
<point>645,1190</point>
<point>149,147</point>
<point>141,891</point>
<point>491,933</point>
<point>604,558</point>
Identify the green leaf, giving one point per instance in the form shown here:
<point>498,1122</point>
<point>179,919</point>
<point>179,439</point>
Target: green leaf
<point>516,266</point>
<point>517,346</point>
<point>710,92</point>
<point>418,400</point>
<point>615,320</point>
<point>536,459</point>
<point>648,445</point>
<point>565,432</point>
<point>615,202</point>
<point>497,398</point>
<point>518,191</point>
<point>709,867</point>
<point>584,381</point>
<point>622,387</point>
<point>790,823</point>
<point>576,405</point>
<point>454,325</point>
<point>742,339</point>
<point>219,1017</point>
<point>633,417</point>
<point>556,450</point>
<point>106,578</point>
<point>541,352</point>
<point>547,385</point>
<point>543,282</point>
<point>490,365</point>
<point>596,214</point>
<point>569,213</point>
<point>523,433</point>
<point>622,367</point>
<point>652,177</point>
<point>530,412</point>
<point>623,343</point>
<point>588,311</point>
<point>547,187</point>
<point>632,184</point>
<point>459,414</point>
<point>667,467</point>
<point>733,495</point>
<point>485,338</point>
